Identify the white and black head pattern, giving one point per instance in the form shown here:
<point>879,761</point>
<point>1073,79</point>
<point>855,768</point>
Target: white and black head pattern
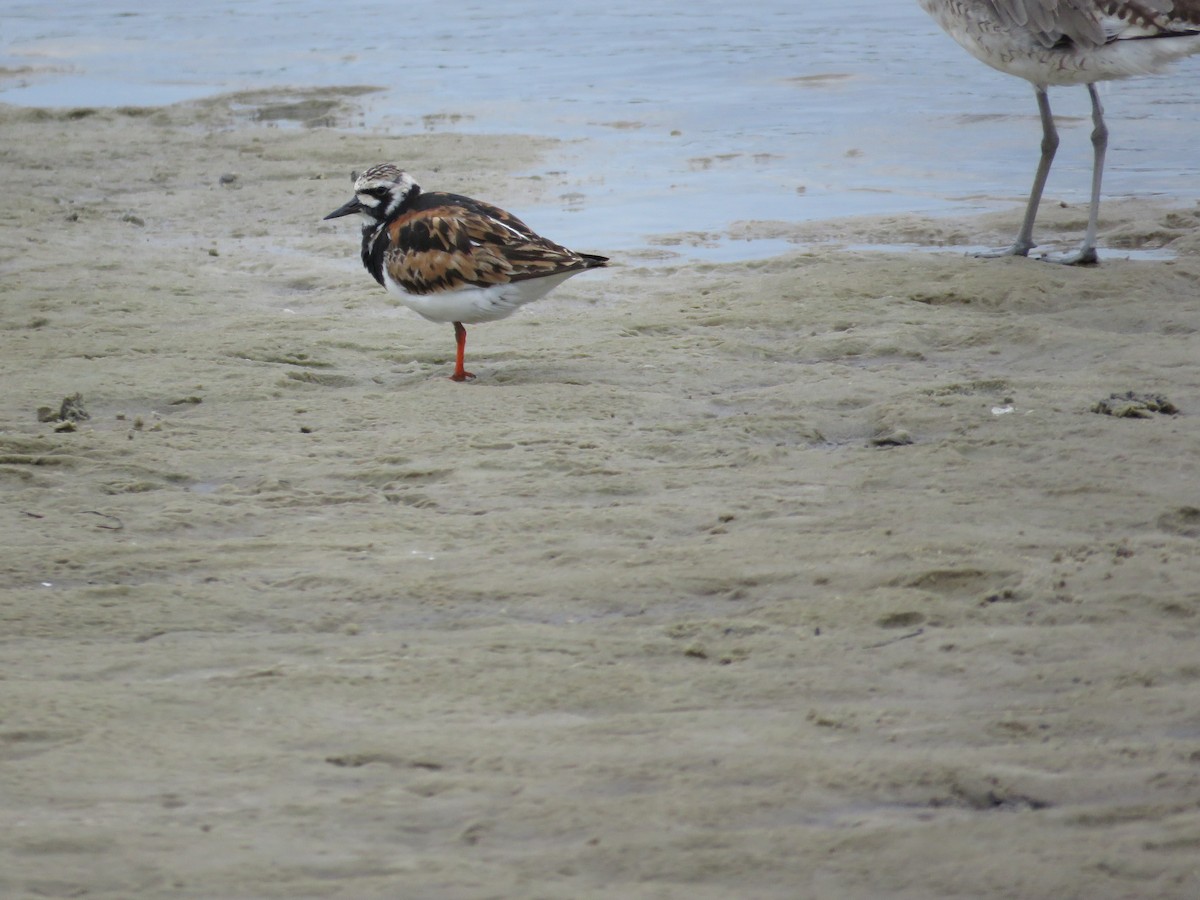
<point>380,193</point>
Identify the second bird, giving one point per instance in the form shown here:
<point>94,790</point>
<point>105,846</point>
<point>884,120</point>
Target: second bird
<point>1061,42</point>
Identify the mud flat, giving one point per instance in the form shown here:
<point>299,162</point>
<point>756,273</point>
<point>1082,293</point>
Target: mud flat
<point>837,574</point>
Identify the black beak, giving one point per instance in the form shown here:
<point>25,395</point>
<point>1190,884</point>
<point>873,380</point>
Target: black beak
<point>352,207</point>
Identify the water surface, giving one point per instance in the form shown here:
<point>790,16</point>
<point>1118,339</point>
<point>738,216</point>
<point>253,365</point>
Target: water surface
<point>676,116</point>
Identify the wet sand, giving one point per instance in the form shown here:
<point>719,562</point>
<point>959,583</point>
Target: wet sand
<point>818,576</point>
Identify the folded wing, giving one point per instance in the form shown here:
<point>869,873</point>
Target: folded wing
<point>452,242</point>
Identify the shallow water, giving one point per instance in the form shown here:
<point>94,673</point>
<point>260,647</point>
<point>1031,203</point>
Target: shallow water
<point>677,116</point>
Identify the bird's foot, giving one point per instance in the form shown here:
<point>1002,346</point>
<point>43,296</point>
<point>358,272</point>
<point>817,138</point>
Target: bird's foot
<point>1017,249</point>
<point>1084,256</point>
<point>463,375</point>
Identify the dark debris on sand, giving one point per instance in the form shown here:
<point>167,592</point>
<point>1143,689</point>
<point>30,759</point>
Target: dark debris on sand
<point>1131,405</point>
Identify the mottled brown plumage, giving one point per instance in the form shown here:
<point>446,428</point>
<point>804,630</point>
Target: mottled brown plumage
<point>459,242</point>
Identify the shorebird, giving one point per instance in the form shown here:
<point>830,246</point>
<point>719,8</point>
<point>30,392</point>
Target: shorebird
<point>1065,42</point>
<point>453,259</point>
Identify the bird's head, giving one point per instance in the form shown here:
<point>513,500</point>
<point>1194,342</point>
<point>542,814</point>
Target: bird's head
<point>379,193</point>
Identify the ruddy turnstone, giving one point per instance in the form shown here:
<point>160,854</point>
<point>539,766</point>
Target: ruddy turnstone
<point>453,259</point>
<point>1063,42</point>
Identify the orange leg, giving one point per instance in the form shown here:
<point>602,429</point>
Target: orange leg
<point>460,338</point>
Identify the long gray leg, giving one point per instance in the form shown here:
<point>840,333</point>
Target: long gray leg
<point>1087,250</point>
<point>1024,242</point>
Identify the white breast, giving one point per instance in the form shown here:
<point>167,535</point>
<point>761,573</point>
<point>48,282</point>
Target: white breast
<point>472,304</point>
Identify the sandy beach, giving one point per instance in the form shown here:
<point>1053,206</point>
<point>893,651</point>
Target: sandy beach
<point>839,574</point>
